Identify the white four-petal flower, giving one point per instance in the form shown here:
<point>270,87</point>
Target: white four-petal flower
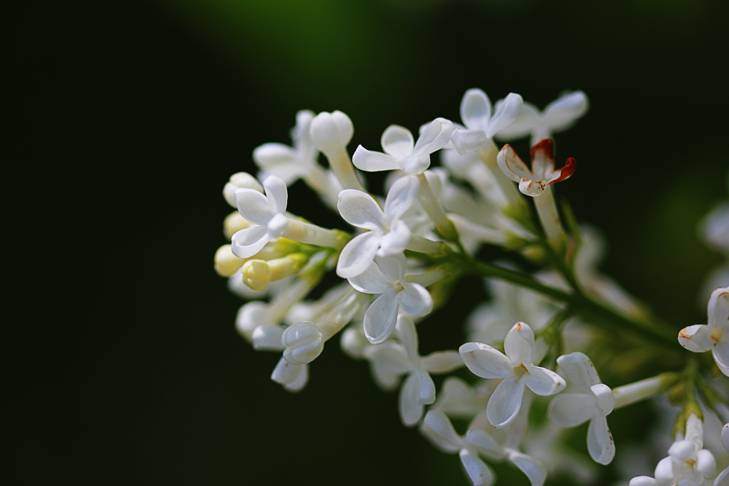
<point>481,439</point>
<point>391,360</point>
<point>557,116</point>
<point>289,163</point>
<point>713,336</point>
<point>533,182</point>
<point>585,399</point>
<point>387,234</point>
<point>401,152</point>
<point>516,370</point>
<point>267,215</point>
<point>687,464</point>
<point>481,125</point>
<point>385,277</point>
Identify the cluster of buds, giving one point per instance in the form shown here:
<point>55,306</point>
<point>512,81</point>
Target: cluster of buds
<point>398,257</point>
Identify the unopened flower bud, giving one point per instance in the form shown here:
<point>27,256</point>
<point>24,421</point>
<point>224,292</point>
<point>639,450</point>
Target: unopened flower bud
<point>331,132</point>
<point>303,343</point>
<point>239,180</point>
<point>233,223</point>
<point>226,263</point>
<point>267,337</point>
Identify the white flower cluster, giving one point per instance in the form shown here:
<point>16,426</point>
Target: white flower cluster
<point>403,253</point>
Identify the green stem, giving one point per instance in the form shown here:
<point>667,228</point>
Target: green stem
<point>582,304</point>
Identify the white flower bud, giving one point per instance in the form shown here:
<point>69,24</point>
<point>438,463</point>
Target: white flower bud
<point>303,342</point>
<point>331,132</point>
<point>239,180</point>
<point>354,343</point>
<point>226,263</point>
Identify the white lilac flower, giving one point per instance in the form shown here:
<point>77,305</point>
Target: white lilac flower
<point>559,115</point>
<point>386,233</point>
<point>713,336</point>
<point>542,174</point>
<point>260,322</point>
<point>481,125</point>
<point>536,182</point>
<point>331,133</point>
<point>385,277</point>
<point>482,440</point>
<point>303,342</point>
<point>269,221</point>
<point>298,161</point>
<point>390,361</point>
<point>402,152</point>
<point>516,369</point>
<point>585,399</point>
<point>687,464</point>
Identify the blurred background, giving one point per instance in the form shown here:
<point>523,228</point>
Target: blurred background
<point>136,113</point>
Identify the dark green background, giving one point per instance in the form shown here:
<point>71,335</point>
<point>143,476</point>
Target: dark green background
<point>135,114</point>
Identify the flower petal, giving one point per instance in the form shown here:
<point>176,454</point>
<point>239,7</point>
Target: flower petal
<point>457,399</point>
<point>372,161</point>
<point>389,362</point>
<point>254,206</point>
<point>565,110</point>
<point>578,371</point>
<point>572,409</point>
<point>360,209</point>
<point>400,197</point>
<point>477,470</point>
<point>542,381</point>
<point>642,481</point>
<point>475,109</point>
<point>397,141</point>
<point>439,430</point>
<point>407,335</point>
<point>719,309</point>
<point>505,403</point>
<point>276,193</point>
<point>410,402</point>
<point>511,164</point>
<point>721,354</point>
<point>526,121</point>
<point>271,155</point>
<point>725,436</point>
<point>442,361</point>
<point>664,472</point>
<point>466,141</point>
<point>696,338</point>
<point>706,464</point>
<point>505,115</point>
<point>249,241</point>
<point>396,240</point>
<point>519,344</point>
<point>358,254</point>
<point>485,444</point>
<point>415,300</point>
<point>484,361</point>
<point>433,136</point>
<point>380,317</point>
<point>533,469</point>
<point>600,443</point>
<point>371,281</point>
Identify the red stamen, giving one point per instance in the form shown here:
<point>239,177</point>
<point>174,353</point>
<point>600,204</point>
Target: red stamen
<point>567,170</point>
<point>545,146</point>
